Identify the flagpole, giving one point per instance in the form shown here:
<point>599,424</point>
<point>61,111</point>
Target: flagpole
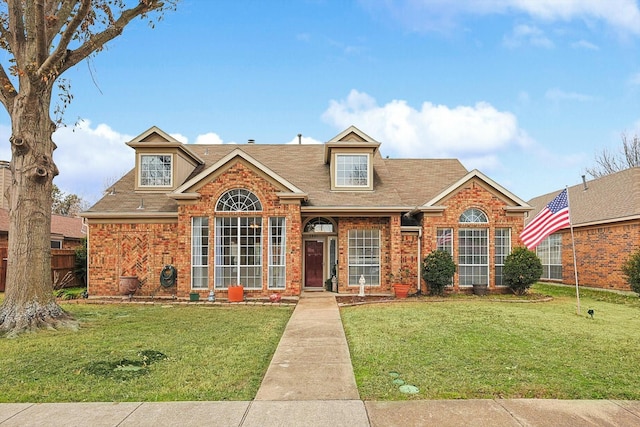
<point>573,246</point>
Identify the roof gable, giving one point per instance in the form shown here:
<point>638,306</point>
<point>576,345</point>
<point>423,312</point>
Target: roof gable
<point>154,137</point>
<point>515,204</point>
<point>185,190</point>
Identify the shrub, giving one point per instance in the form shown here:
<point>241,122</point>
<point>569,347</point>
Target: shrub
<point>437,271</point>
<point>80,267</point>
<point>522,268</point>
<point>631,270</point>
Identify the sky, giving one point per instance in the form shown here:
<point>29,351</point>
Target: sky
<point>526,91</point>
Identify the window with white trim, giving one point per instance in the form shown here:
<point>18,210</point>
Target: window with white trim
<point>364,257</point>
<point>238,252</point>
<point>473,256</point>
<point>155,170</point>
<point>503,249</point>
<point>444,240</point>
<point>277,253</point>
<point>199,252</point>
<point>352,170</point>
<point>550,253</point>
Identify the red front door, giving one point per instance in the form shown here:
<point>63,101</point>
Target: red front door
<point>313,256</point>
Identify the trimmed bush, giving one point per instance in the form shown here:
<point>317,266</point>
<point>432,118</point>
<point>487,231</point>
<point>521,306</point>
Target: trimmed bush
<point>437,270</point>
<point>631,270</point>
<point>522,268</point>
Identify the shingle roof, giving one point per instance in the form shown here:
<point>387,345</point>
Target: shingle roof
<point>69,227</point>
<point>610,198</point>
<point>397,182</point>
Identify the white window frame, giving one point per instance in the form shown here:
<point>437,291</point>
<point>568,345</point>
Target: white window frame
<point>444,240</point>
<point>344,171</point>
<point>200,253</point>
<point>57,243</point>
<point>550,253</point>
<point>502,244</point>
<point>364,257</point>
<point>238,252</point>
<point>141,171</point>
<point>277,253</point>
<point>473,258</point>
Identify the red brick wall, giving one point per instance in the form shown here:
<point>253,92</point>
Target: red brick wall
<point>473,195</point>
<point>600,253</point>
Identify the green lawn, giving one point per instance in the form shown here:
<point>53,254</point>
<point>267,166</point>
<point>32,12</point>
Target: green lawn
<point>465,348</point>
<point>144,353</point>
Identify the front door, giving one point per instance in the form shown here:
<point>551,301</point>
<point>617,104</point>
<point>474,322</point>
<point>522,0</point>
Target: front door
<point>313,256</point>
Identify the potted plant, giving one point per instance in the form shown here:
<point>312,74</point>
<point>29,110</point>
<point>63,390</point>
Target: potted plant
<point>236,293</point>
<point>437,271</point>
<point>400,282</point>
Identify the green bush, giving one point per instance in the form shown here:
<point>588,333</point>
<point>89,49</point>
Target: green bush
<point>437,271</point>
<point>522,268</point>
<point>631,270</point>
<point>80,267</point>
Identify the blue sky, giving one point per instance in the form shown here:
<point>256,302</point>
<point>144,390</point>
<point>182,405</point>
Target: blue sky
<point>527,91</point>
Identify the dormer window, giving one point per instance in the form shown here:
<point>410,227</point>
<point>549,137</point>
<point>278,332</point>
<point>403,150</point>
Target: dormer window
<point>352,170</point>
<point>155,170</point>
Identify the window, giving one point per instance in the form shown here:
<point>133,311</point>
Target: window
<point>474,215</point>
<point>550,253</point>
<point>56,244</point>
<point>503,248</point>
<point>277,253</point>
<point>238,200</point>
<point>364,256</point>
<point>238,252</point>
<point>155,170</point>
<point>444,240</point>
<point>200,253</point>
<point>318,225</point>
<point>352,170</point>
<point>473,256</point>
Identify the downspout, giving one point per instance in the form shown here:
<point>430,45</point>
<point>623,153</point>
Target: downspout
<point>419,260</point>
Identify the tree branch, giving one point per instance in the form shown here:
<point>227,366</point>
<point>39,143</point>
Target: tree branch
<point>16,26</point>
<point>62,15</point>
<point>7,90</point>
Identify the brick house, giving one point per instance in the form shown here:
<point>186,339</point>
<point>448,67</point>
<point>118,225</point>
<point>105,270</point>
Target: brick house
<point>605,214</point>
<point>66,232</point>
<point>285,218</point>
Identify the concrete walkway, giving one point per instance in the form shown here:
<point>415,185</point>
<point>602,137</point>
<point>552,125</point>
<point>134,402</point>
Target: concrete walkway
<point>310,382</point>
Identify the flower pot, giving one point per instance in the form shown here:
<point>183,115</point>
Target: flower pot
<point>480,290</point>
<point>236,293</point>
<point>194,296</point>
<point>401,290</point>
<point>129,285</point>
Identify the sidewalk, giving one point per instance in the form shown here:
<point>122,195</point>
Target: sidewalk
<point>310,382</point>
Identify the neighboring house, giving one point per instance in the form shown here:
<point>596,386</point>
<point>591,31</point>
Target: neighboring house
<point>66,232</point>
<point>605,214</point>
<point>285,218</point>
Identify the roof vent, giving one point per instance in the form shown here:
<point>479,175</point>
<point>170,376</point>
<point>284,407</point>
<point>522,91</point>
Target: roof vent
<point>299,138</point>
<point>251,141</point>
<point>584,183</point>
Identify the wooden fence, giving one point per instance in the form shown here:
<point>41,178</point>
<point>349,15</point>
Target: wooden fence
<point>62,266</point>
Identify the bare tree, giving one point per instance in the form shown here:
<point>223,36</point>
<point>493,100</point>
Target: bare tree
<point>42,40</point>
<point>608,163</point>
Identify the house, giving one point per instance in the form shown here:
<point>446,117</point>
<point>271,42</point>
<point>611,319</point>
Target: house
<point>291,217</point>
<point>66,232</point>
<point>605,215</point>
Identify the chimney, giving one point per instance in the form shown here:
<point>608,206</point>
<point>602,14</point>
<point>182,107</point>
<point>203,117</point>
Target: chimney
<point>299,138</point>
<point>251,141</point>
<point>584,183</point>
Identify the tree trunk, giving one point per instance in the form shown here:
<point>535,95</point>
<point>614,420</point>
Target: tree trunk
<point>29,301</point>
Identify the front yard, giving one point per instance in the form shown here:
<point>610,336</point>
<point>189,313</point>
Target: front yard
<point>465,348</point>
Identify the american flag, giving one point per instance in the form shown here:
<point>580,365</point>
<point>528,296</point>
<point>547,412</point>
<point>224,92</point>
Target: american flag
<point>552,218</point>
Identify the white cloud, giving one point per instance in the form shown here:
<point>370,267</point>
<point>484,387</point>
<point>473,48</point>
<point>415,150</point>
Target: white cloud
<point>179,137</point>
<point>558,95</point>
<point>441,15</point>
<point>209,138</point>
<point>304,140</point>
<point>527,35</point>
<point>583,44</point>
<point>474,133</point>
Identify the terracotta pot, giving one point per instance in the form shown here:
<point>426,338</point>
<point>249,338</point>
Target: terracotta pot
<point>275,297</point>
<point>401,290</point>
<point>129,285</point>
<point>236,293</point>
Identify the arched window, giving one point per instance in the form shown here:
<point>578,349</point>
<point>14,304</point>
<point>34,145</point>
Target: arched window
<point>473,215</point>
<point>319,225</point>
<point>238,200</point>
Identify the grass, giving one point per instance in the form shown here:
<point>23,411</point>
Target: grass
<point>144,353</point>
<point>481,348</point>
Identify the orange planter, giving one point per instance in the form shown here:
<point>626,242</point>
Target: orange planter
<point>236,293</point>
<point>401,290</point>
